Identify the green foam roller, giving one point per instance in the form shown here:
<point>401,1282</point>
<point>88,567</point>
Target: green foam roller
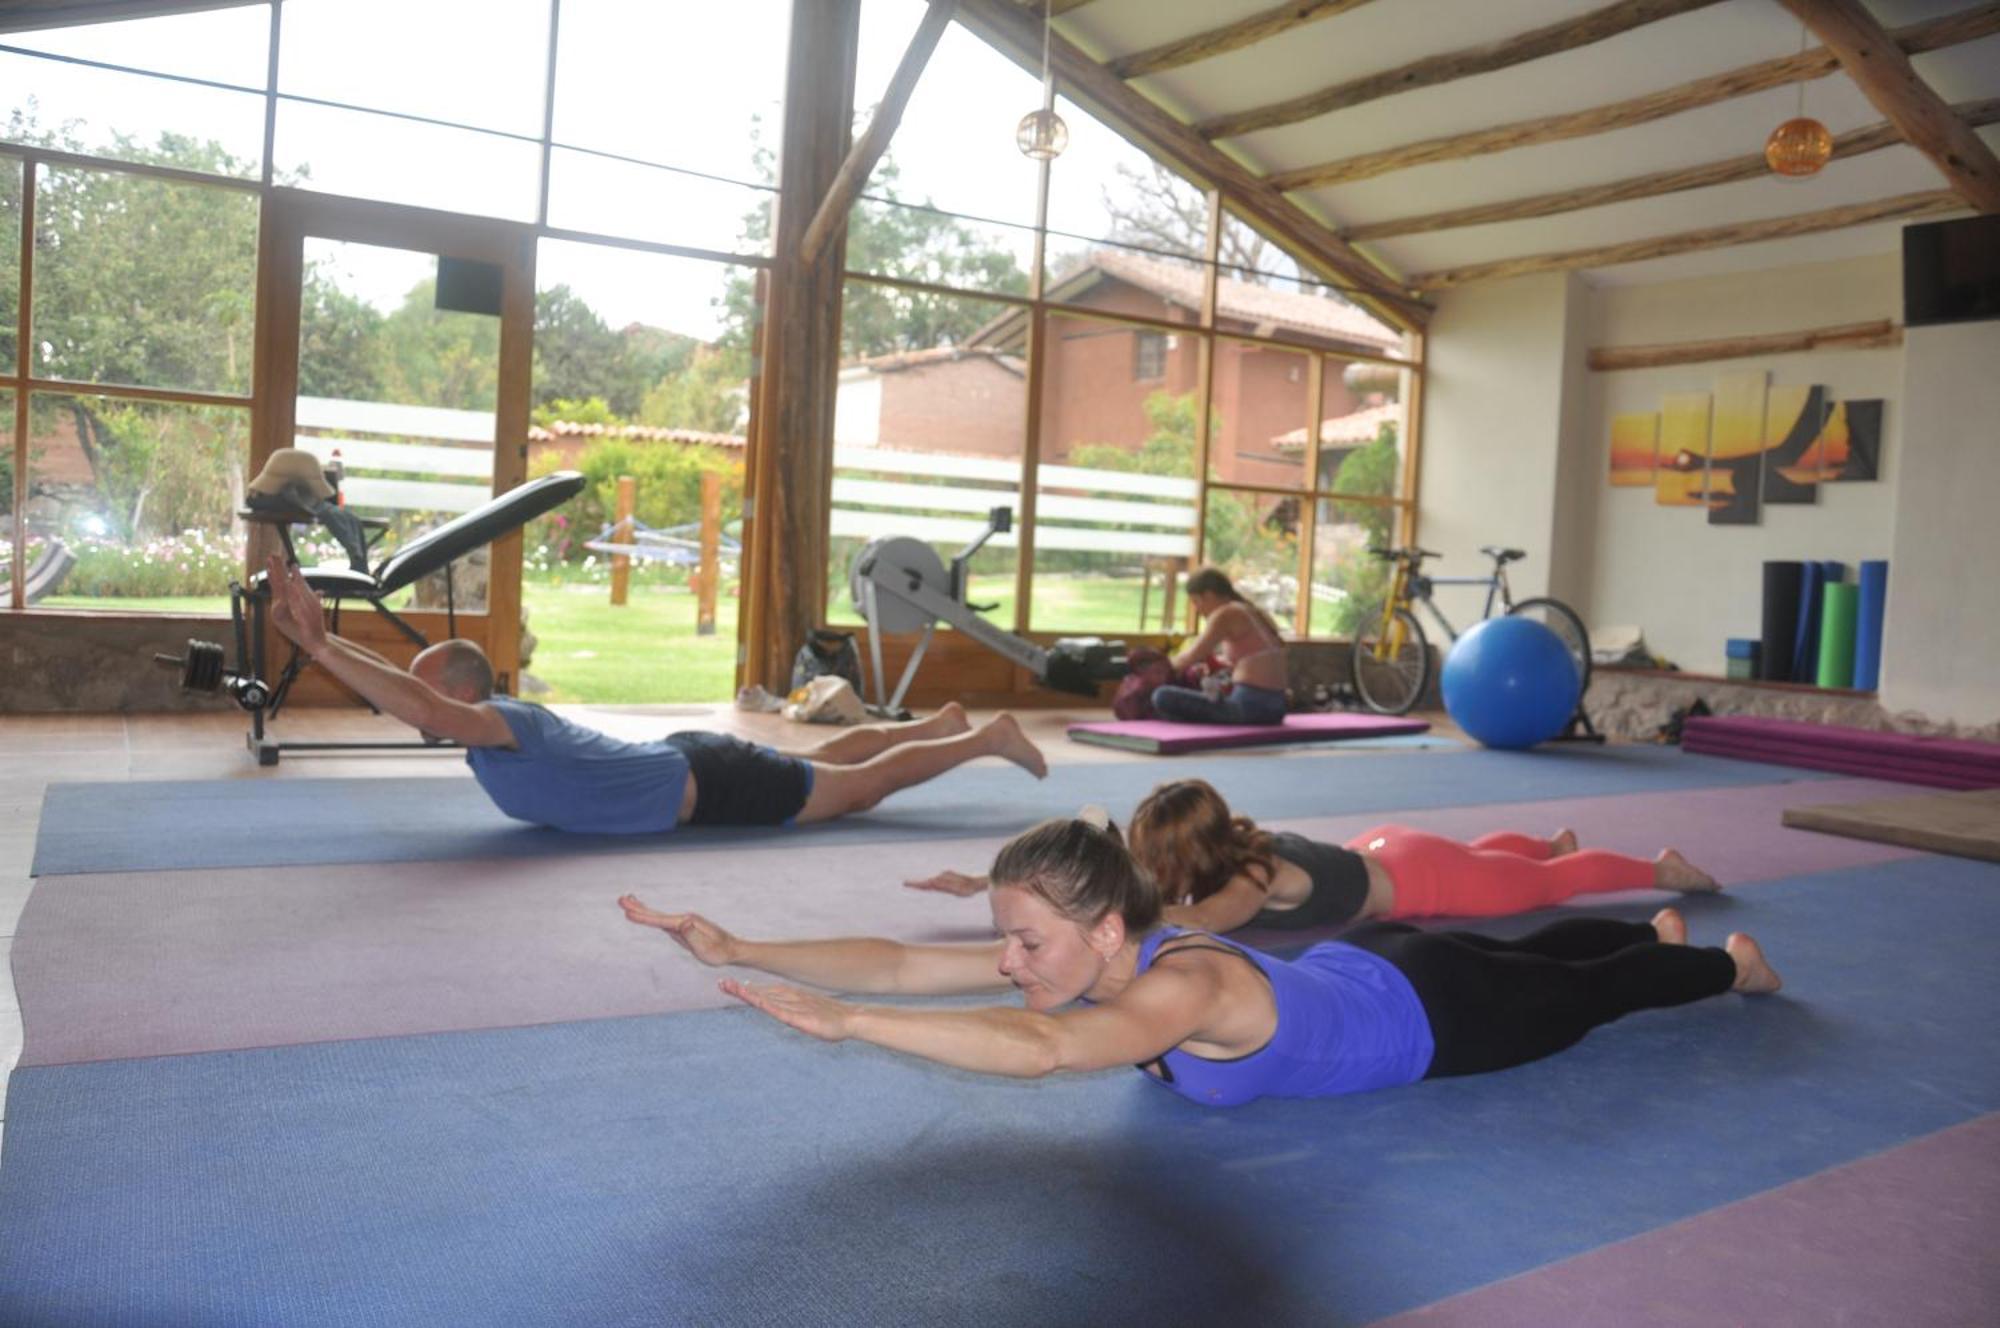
<point>1836,635</point>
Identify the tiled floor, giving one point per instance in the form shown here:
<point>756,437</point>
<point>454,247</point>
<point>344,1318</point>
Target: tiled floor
<point>39,750</point>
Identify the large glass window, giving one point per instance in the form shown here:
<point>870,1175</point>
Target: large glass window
<point>1115,506</point>
<point>642,365</point>
<point>100,99</point>
<point>930,426</point>
<point>143,282</point>
<point>1255,538</point>
<point>138,499</point>
<point>10,262</point>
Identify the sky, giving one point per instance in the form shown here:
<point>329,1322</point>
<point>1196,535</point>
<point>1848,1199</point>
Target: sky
<point>680,82</point>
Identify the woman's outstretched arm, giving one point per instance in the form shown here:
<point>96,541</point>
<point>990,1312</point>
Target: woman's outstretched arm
<point>1233,906</point>
<point>859,964</point>
<point>1160,1010</point>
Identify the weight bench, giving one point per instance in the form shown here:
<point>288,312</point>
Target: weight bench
<point>202,668</point>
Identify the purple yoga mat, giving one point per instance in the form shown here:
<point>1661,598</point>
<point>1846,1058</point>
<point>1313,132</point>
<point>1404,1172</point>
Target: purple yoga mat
<point>249,957</point>
<point>1167,737</point>
<point>1960,754</point>
<point>1911,1228</point>
<point>1910,765</point>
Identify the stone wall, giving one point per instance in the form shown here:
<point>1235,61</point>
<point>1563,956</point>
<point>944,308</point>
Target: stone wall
<point>1636,704</point>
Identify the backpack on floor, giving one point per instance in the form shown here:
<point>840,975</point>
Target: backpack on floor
<point>827,653</point>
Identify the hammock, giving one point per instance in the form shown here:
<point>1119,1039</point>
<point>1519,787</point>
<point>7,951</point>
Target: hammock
<point>669,545</point>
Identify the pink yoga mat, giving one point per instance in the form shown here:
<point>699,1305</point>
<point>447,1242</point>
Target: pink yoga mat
<point>1166,737</point>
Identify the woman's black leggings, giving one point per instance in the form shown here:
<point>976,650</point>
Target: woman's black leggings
<point>1494,1003</point>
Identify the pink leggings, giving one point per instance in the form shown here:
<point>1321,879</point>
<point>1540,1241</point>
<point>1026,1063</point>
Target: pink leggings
<point>1494,875</point>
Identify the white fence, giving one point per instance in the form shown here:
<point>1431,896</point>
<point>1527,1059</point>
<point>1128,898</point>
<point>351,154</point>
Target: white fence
<point>379,448</point>
<point>1096,511</point>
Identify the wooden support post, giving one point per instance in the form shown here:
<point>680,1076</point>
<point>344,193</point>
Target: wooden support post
<point>1167,595</point>
<point>801,342</point>
<point>710,571</point>
<point>621,533</point>
<point>1885,76</point>
<point>862,158</point>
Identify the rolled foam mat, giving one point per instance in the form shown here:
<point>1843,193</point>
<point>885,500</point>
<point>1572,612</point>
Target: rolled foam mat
<point>1836,635</point>
<point>1868,624</point>
<point>1783,584</point>
<point>1165,737</point>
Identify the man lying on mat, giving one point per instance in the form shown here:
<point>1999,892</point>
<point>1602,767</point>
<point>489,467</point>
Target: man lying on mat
<point>540,767</point>
<point>1218,871</point>
<point>1216,1022</point>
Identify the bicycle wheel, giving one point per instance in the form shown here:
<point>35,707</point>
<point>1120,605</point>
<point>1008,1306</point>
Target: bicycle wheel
<point>1391,681</point>
<point>1561,619</point>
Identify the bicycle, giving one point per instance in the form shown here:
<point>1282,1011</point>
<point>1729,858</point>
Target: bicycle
<point>1391,663</point>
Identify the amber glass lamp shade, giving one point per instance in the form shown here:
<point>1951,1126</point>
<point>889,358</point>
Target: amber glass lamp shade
<point>1798,147</point>
<point>1042,135</point>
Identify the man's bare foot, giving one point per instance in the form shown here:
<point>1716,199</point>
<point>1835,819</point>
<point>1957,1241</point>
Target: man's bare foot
<point>1561,842</point>
<point>1670,927</point>
<point>1754,974</point>
<point>1004,734</point>
<point>1671,871</point>
<point>949,721</point>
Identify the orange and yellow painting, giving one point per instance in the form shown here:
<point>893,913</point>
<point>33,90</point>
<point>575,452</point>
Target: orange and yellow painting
<point>1736,449</point>
<point>1792,419</point>
<point>1635,441</point>
<point>1682,477</point>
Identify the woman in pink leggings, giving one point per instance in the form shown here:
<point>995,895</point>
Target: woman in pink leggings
<point>1220,871</point>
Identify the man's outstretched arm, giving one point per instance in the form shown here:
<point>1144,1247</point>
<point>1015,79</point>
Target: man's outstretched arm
<point>296,611</point>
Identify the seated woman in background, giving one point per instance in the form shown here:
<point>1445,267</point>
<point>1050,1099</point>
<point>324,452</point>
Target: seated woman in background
<point>1243,637</point>
<point>1218,1023</point>
<point>1219,871</point>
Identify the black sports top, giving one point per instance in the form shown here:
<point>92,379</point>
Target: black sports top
<point>1339,885</point>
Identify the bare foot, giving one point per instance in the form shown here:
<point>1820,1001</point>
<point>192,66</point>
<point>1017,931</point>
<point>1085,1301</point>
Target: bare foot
<point>1670,927</point>
<point>1754,974</point>
<point>948,721</point>
<point>1671,871</point>
<point>1561,842</point>
<point>1004,733</point>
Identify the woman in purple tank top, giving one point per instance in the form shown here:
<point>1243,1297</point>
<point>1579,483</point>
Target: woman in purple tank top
<point>1106,985</point>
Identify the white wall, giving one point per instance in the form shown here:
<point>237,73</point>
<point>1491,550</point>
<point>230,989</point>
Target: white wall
<point>1688,584</point>
<point>1492,421</point>
<point>1941,644</point>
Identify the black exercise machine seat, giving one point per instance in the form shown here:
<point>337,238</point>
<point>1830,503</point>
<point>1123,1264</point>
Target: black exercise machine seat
<point>448,543</point>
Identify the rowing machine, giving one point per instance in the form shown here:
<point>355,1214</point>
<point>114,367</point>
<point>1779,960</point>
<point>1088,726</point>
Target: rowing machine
<point>900,585</point>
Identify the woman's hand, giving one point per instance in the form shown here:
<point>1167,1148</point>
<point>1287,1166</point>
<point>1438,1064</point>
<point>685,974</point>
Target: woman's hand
<point>822,1016</point>
<point>950,883</point>
<point>695,933</point>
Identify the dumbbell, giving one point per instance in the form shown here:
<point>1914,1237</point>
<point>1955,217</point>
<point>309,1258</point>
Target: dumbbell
<point>204,668</point>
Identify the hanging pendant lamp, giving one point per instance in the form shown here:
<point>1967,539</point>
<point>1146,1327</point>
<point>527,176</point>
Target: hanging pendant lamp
<point>1042,133</point>
<point>1801,145</point>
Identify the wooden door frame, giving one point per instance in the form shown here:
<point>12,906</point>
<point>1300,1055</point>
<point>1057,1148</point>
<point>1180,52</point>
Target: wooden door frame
<point>288,217</point>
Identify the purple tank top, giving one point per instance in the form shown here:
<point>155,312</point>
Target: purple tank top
<point>1348,1021</point>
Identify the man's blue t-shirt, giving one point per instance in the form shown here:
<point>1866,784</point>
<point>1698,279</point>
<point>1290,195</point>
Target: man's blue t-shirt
<point>576,778</point>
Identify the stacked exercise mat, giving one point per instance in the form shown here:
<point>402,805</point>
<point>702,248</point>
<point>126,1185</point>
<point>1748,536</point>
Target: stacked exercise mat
<point>1820,628</point>
<point>1937,762</point>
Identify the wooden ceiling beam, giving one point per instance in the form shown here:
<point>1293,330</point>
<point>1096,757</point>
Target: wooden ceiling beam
<point>1749,166</point>
<point>1904,207</point>
<point>1884,74</point>
<point>1017,33</point>
<point>1431,70</point>
<point>1846,336</point>
<point>868,150</point>
<point>1936,34</point>
<point>1231,37</point>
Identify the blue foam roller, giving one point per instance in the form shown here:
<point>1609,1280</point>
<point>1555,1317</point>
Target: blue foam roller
<point>1868,624</point>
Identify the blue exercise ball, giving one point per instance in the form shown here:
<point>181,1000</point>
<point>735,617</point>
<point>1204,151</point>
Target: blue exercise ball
<point>1510,683</point>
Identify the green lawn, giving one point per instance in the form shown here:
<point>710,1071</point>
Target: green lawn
<point>646,650</point>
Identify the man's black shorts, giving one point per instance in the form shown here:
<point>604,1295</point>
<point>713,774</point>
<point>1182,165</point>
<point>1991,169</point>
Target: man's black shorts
<point>742,783</point>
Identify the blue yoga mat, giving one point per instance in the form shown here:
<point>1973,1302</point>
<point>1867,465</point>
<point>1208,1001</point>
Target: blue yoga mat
<point>716,1168</point>
<point>183,824</point>
<point>1868,624</point>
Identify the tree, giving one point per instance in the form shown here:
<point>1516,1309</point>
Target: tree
<point>1156,209</point>
<point>708,394</point>
<point>891,237</point>
<point>1362,581</point>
